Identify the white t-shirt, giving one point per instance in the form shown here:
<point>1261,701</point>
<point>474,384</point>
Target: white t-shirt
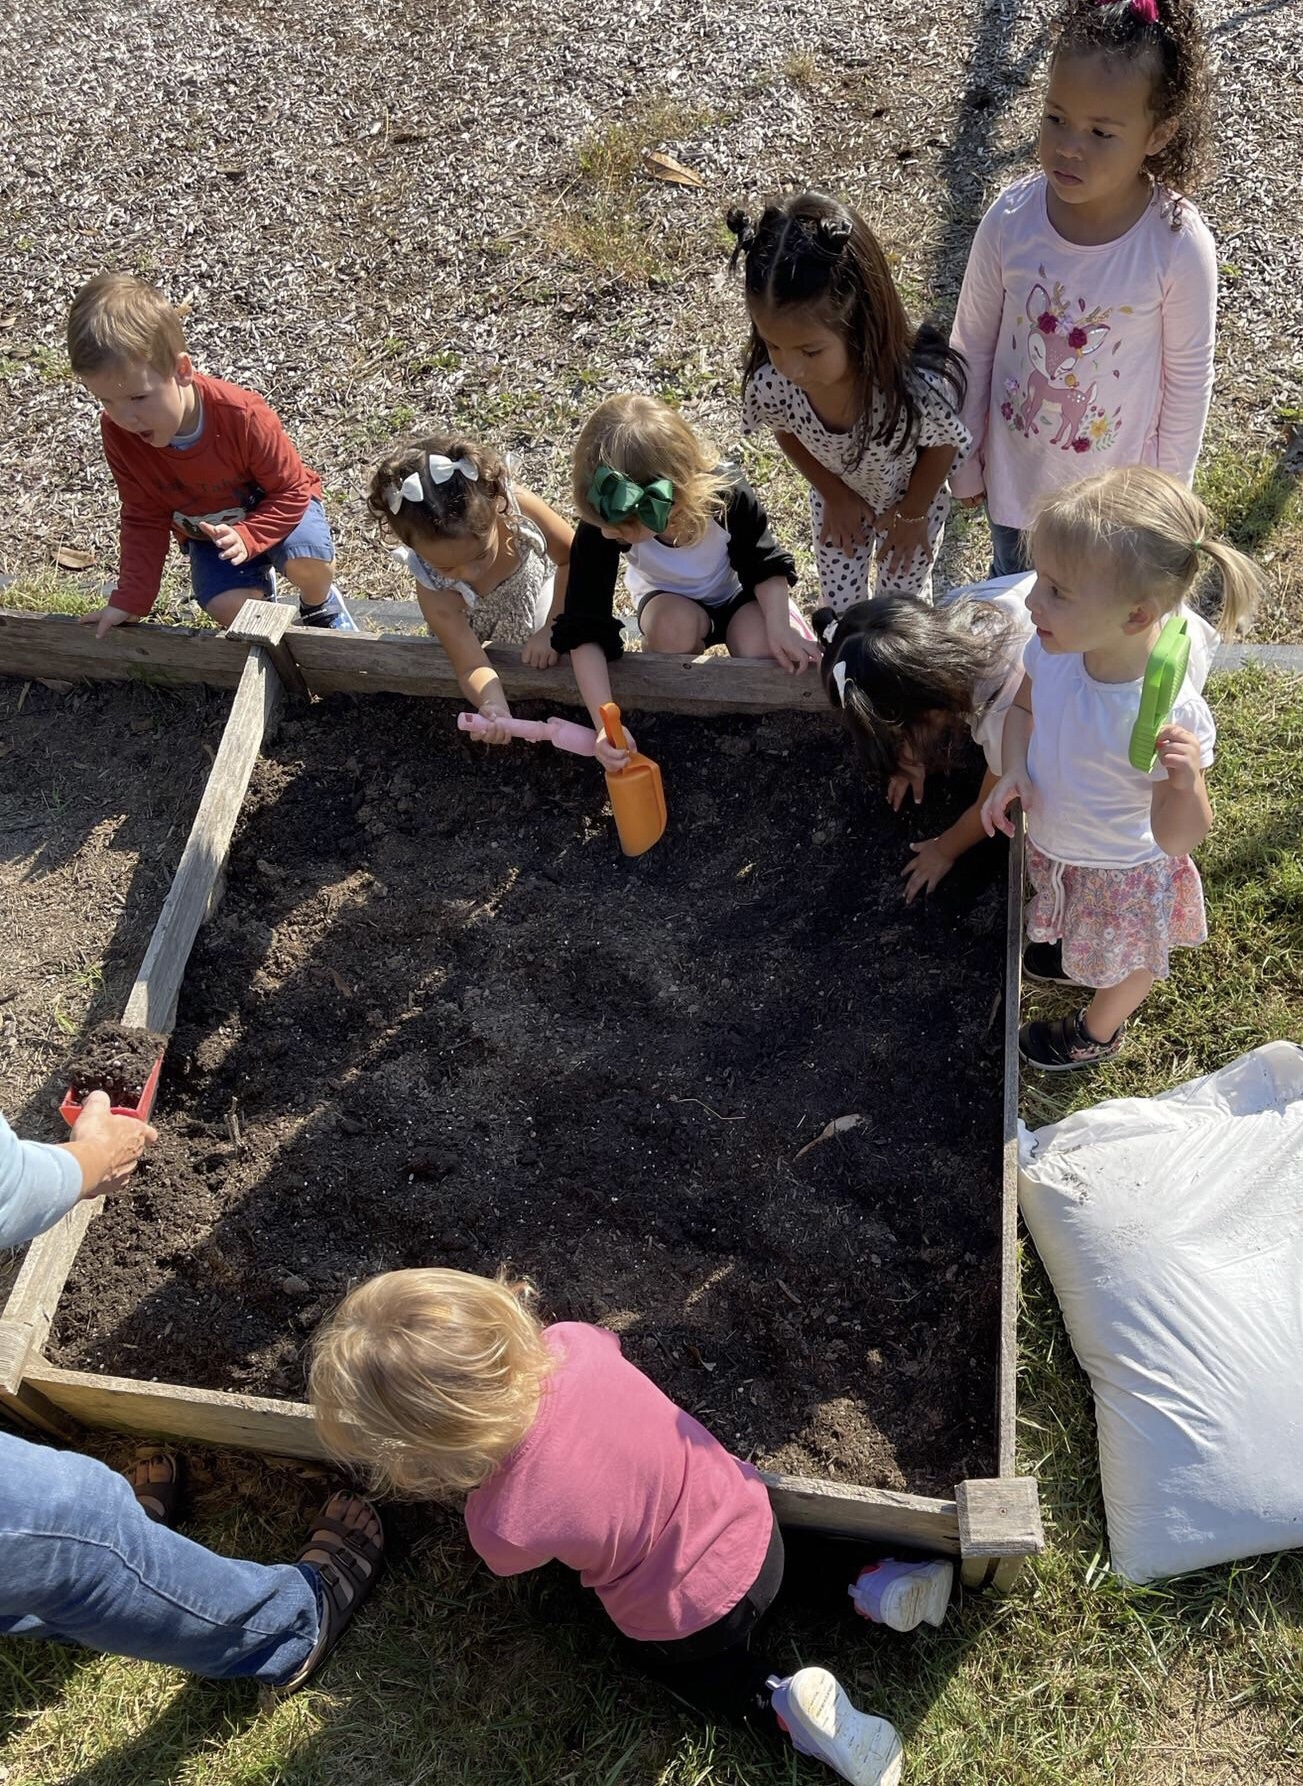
<point>993,699</point>
<point>1081,357</point>
<point>702,573</point>
<point>1090,807</point>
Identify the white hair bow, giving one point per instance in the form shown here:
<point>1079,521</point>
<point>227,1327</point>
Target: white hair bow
<point>839,679</point>
<point>440,469</point>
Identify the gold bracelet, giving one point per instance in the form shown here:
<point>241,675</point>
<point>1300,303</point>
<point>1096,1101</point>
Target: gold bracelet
<point>909,520</point>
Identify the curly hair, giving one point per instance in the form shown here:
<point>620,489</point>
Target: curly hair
<point>645,439</point>
<point>811,252</point>
<point>906,664</point>
<point>1174,49</point>
<point>460,508</point>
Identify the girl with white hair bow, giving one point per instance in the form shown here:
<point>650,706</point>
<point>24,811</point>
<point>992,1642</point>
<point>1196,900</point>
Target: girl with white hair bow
<point>489,559</point>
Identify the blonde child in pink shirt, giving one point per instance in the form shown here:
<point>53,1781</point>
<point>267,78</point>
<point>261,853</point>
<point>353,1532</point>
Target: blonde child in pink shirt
<point>1089,305</point>
<point>445,1384</point>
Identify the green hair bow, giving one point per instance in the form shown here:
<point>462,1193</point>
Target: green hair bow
<point>617,499</point>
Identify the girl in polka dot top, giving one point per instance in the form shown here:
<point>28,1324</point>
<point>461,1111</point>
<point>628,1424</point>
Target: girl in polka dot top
<point>863,404</point>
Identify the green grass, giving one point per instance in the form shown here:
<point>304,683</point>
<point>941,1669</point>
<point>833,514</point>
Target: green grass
<point>1072,1680</point>
<point>1256,502</point>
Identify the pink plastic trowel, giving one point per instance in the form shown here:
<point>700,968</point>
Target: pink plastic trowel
<point>581,741</point>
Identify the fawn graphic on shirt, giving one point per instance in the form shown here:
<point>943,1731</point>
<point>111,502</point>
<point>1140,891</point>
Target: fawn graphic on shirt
<point>1066,399</point>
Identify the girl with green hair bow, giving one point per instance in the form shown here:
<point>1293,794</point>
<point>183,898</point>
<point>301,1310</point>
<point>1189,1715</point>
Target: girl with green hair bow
<point>701,562</point>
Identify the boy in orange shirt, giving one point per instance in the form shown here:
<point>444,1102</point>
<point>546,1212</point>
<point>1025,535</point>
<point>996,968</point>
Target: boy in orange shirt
<point>199,460</point>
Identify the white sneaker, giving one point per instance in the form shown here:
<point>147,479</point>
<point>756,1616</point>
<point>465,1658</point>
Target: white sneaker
<point>903,1595</point>
<point>821,1721</point>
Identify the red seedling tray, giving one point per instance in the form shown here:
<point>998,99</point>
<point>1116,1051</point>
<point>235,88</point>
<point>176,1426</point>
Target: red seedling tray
<point>71,1107</point>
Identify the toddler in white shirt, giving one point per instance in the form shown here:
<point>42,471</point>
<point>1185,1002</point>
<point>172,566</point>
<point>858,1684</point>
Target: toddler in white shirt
<point>1109,844</point>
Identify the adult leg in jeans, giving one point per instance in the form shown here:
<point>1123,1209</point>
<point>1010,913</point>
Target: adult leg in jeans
<point>1008,556</point>
<point>80,1561</point>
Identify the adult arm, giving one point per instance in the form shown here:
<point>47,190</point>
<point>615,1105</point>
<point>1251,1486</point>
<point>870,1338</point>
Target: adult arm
<point>40,1182</point>
<point>1189,335</point>
<point>976,334</point>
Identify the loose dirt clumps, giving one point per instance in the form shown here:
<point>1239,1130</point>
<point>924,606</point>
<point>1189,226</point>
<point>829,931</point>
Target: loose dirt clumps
<point>117,1061</point>
<point>439,1018</point>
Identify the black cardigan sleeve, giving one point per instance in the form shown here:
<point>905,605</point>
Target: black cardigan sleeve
<point>588,617</point>
<point>753,551</point>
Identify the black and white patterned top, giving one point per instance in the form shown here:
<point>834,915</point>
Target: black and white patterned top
<point>772,401</point>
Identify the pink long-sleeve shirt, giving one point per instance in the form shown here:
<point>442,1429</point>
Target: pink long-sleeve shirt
<point>1081,358</point>
<point>666,1526</point>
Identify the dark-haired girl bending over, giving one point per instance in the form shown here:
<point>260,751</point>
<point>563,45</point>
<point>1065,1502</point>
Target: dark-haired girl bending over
<point>863,404</point>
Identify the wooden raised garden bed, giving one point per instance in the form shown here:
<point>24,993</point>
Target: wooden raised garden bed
<point>715,1163</point>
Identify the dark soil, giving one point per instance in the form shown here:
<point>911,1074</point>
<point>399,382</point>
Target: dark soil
<point>117,1061</point>
<point>440,1018</point>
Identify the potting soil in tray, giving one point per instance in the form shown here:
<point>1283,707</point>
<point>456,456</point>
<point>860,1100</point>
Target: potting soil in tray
<point>440,1019</point>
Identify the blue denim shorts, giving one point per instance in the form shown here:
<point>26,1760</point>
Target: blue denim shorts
<point>211,576</point>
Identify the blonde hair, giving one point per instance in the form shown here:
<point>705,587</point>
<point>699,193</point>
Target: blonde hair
<point>1152,534</point>
<point>117,317</point>
<point>644,439</point>
<point>428,1378</point>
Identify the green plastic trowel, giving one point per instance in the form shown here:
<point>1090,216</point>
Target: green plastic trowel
<point>1164,674</point>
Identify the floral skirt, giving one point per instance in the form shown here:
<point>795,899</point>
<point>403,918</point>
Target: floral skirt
<point>1112,921</point>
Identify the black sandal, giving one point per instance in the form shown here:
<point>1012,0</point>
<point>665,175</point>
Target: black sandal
<point>159,1501</point>
<point>346,1576</point>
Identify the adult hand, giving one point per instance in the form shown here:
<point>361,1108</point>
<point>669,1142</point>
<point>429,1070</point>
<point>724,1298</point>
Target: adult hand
<point>537,651</point>
<point>995,808</point>
<point>230,544</point>
<point>932,863</point>
<point>791,649</point>
<point>848,521</point>
<point>1178,753</point>
<point>105,619</point>
<point>115,1143</point>
<point>606,753</point>
<point>971,502</point>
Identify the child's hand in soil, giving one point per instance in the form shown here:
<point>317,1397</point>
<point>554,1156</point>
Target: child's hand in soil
<point>105,619</point>
<point>606,753</point>
<point>932,863</point>
<point>537,650</point>
<point>113,1145</point>
<point>908,779</point>
<point>848,521</point>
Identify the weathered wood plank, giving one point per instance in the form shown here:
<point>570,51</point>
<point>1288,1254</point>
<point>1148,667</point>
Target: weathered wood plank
<point>29,1312</point>
<point>646,681</point>
<point>55,645</point>
<point>153,1000</point>
<point>1006,1405</point>
<point>870,1513</point>
<point>27,1407</point>
<point>266,623</point>
<point>999,1517</point>
<point>208,1416</point>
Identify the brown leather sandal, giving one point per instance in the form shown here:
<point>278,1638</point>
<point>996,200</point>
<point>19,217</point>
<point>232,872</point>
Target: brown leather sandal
<point>159,1501</point>
<point>346,1575</point>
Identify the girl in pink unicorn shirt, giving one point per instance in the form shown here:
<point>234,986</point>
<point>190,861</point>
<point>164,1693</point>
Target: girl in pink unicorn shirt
<point>1088,310</point>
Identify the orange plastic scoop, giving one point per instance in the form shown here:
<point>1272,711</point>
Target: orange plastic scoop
<point>637,797</point>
